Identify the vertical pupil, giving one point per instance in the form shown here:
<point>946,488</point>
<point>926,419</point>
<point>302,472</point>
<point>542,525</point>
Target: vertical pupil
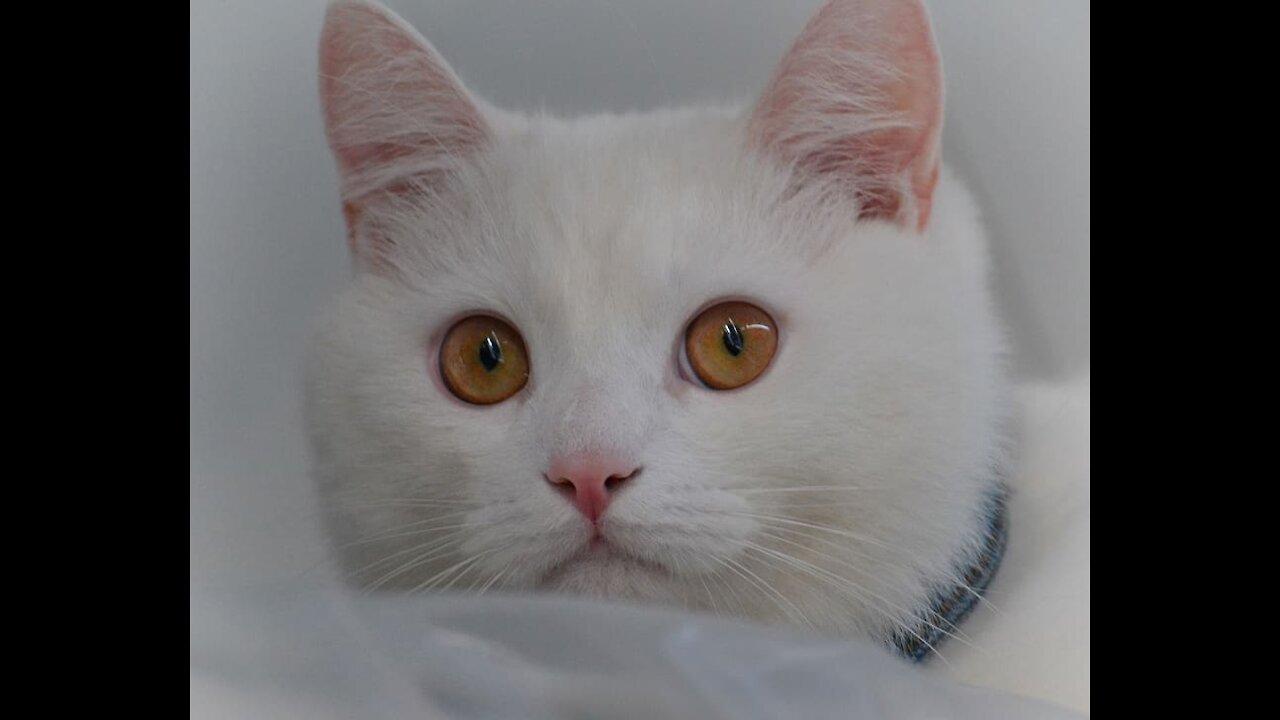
<point>732,339</point>
<point>490,352</point>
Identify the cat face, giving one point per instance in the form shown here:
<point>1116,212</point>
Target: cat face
<point>833,488</point>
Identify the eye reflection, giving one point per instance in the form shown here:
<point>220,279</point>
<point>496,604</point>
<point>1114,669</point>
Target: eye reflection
<point>490,352</point>
<point>732,339</point>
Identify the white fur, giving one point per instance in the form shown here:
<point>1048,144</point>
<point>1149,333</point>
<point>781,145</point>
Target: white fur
<point>600,239</point>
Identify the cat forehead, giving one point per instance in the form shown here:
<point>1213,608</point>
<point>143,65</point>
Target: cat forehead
<point>641,199</point>
<point>615,174</point>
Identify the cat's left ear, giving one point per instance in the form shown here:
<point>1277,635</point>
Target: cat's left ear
<point>394,111</point>
<point>858,100</point>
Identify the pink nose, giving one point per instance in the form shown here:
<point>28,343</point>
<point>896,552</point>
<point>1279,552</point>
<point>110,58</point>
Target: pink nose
<point>589,481</point>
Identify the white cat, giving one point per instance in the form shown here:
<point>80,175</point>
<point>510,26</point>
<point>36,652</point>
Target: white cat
<point>734,359</point>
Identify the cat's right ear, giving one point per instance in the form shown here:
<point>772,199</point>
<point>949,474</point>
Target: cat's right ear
<point>394,111</point>
<point>858,100</point>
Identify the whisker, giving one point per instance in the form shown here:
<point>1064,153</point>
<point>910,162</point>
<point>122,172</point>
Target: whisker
<point>418,561</point>
<point>738,601</point>
<point>430,518</point>
<point>769,589</point>
<point>766,528</point>
<point>438,577</point>
<point>955,632</point>
<point>727,591</point>
<point>388,536</point>
<point>790,506</point>
<point>843,585</point>
<point>496,577</point>
<point>841,561</point>
<point>405,500</point>
<point>821,528</point>
<point>806,488</point>
<point>747,579</point>
<point>459,576</point>
<point>426,546</point>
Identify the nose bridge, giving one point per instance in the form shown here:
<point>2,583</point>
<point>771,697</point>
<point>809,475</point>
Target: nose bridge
<point>597,416</point>
<point>601,389</point>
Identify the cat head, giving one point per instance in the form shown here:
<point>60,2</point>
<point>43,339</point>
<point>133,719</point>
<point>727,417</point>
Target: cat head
<point>733,359</point>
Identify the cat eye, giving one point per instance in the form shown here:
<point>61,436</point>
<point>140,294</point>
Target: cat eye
<point>483,360</point>
<point>730,344</point>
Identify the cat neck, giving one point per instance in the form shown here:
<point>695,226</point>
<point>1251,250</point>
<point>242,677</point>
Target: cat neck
<point>953,602</point>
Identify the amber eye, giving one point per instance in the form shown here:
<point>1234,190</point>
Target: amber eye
<point>730,344</point>
<point>483,360</point>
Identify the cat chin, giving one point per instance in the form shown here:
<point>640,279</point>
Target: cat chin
<point>605,573</point>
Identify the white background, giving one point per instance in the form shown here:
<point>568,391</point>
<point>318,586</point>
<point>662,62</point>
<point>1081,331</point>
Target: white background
<point>267,242</point>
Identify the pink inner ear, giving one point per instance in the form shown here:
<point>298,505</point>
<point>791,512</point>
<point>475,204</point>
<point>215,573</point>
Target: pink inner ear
<point>859,96</point>
<point>393,109</point>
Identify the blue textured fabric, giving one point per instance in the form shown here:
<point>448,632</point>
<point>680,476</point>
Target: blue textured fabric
<point>952,603</point>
